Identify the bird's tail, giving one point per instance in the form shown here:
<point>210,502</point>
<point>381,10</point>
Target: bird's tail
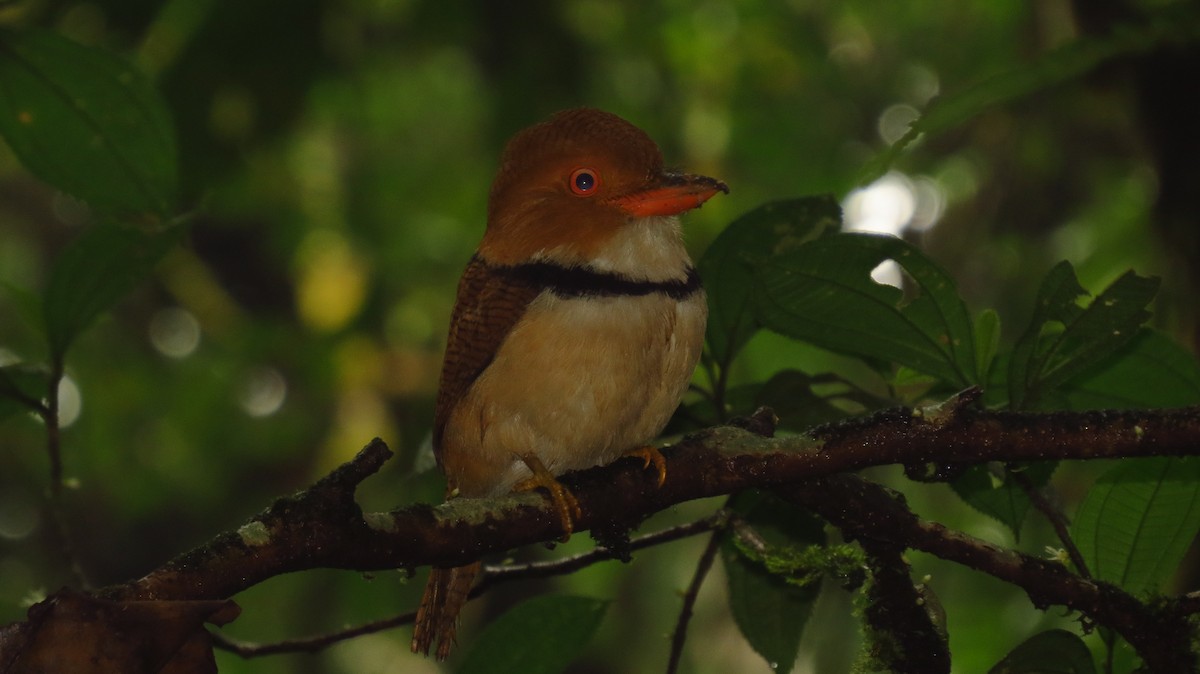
<point>437,616</point>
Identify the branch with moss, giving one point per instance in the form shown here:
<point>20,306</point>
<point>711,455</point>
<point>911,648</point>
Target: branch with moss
<point>323,527</point>
<point>874,515</point>
<point>492,575</point>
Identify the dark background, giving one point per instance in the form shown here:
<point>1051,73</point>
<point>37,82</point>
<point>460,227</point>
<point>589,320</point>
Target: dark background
<point>338,154</point>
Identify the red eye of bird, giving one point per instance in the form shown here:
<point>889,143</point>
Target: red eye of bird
<point>584,182</point>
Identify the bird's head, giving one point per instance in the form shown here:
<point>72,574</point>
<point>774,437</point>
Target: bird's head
<point>569,184</point>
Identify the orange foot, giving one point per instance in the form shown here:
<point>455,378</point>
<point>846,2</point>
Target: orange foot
<point>651,455</point>
<point>565,503</point>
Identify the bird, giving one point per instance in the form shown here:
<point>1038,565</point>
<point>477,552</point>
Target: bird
<point>576,328</point>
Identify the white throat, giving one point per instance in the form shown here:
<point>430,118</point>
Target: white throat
<point>648,249</point>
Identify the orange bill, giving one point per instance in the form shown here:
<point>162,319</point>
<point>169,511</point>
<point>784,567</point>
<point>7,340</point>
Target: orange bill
<point>674,193</point>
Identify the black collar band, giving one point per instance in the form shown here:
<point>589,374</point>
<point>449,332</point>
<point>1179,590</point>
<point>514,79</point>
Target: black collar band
<point>572,282</point>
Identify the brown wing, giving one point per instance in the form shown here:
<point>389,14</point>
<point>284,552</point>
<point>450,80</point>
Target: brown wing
<point>489,304</point>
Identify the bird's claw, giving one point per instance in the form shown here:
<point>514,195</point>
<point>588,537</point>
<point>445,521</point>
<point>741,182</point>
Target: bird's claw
<point>565,503</point>
<point>650,455</point>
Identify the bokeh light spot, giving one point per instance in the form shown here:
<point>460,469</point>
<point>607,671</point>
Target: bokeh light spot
<point>920,83</point>
<point>930,203</point>
<point>886,206</point>
<point>851,43</point>
<point>263,392</point>
<point>887,273</point>
<point>332,283</point>
<point>891,205</point>
<point>895,121</point>
<point>174,332</point>
<point>70,402</point>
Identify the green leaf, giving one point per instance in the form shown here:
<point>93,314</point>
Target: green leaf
<point>94,271</point>
<point>987,342</point>
<point>27,303</point>
<point>1152,371</point>
<point>1061,65</point>
<point>1063,339</point>
<point>800,401</point>
<point>22,388</point>
<point>1050,652</point>
<point>822,292</point>
<point>540,636</point>
<point>87,122</point>
<point>995,494</point>
<point>769,611</point>
<point>1056,301</point>
<point>727,267</point>
<point>1136,522</point>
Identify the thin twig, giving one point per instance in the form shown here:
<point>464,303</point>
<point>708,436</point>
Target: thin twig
<point>311,644</point>
<point>747,535</point>
<point>1056,518</point>
<point>492,575</point>
<point>36,406</point>
<point>55,506</point>
<point>565,565</point>
<point>53,433</point>
<point>700,391</point>
<point>689,601</point>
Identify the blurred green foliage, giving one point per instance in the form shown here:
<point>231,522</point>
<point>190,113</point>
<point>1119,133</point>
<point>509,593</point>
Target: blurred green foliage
<point>335,156</point>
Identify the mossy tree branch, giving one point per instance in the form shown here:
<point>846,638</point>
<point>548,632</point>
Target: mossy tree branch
<point>324,527</point>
